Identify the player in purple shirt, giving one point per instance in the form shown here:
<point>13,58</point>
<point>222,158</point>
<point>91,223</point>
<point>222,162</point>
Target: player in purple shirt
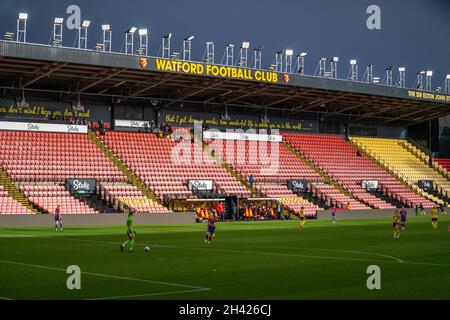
<point>403,214</point>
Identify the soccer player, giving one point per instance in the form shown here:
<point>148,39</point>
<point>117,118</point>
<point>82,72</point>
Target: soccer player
<point>211,230</point>
<point>302,217</point>
<point>58,219</point>
<point>395,224</point>
<point>131,233</point>
<point>434,217</point>
<point>333,213</point>
<point>403,214</point>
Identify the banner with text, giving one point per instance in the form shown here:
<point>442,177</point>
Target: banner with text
<point>43,127</point>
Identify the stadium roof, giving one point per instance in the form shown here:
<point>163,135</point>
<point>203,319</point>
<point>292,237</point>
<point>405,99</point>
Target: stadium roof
<point>131,78</point>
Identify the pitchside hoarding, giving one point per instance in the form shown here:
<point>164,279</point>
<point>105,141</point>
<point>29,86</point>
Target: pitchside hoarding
<point>42,127</point>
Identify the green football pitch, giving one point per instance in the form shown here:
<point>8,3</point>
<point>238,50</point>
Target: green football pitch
<point>247,260</point>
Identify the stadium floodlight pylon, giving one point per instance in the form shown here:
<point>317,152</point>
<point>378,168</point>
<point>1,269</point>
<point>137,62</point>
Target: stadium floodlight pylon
<point>208,55</point>
<point>428,77</point>
<point>288,60</point>
<point>388,77</point>
<point>166,45</point>
<point>106,37</point>
<point>83,34</point>
<point>419,84</point>
<point>229,54</point>
<point>21,29</point>
<point>353,73</point>
<point>129,40</point>
<point>279,61</point>
<point>187,45</point>
<point>333,67</point>
<point>368,75</point>
<point>401,77</point>
<point>243,54</point>
<point>447,84</point>
<point>143,42</point>
<point>57,35</point>
<point>321,70</point>
<point>299,67</point>
<point>257,57</point>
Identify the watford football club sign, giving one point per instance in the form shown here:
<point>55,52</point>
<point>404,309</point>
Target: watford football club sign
<point>143,62</point>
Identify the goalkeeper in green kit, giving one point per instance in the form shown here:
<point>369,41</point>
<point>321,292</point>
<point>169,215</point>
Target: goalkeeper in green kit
<point>131,234</point>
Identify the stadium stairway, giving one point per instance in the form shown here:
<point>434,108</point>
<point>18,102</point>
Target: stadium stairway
<point>14,192</point>
<point>132,177</point>
<point>230,169</point>
<point>322,173</point>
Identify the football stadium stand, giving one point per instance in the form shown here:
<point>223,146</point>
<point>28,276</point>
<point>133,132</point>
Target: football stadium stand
<point>8,205</point>
<point>342,162</point>
<point>404,164</point>
<point>165,172</point>
<point>444,163</point>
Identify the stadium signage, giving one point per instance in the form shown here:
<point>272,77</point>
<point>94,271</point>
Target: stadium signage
<point>240,136</point>
<point>428,96</point>
<point>426,185</point>
<point>132,123</point>
<point>298,185</point>
<point>81,186</point>
<point>200,185</point>
<point>42,127</point>
<point>369,184</point>
<point>215,70</point>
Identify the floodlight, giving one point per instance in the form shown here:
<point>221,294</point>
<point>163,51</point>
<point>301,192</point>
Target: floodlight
<point>85,23</point>
<point>402,69</point>
<point>289,52</point>
<point>390,68</point>
<point>303,54</point>
<point>422,72</point>
<point>106,27</point>
<point>245,45</point>
<point>142,32</point>
<point>429,73</point>
<point>353,62</point>
<point>59,20</point>
<point>132,30</point>
<point>23,16</point>
<point>448,76</point>
<point>376,79</point>
<point>335,59</point>
<point>168,35</point>
<point>230,45</point>
<point>189,38</point>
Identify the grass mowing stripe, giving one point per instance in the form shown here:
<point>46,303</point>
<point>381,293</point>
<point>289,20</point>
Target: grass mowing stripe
<point>150,294</point>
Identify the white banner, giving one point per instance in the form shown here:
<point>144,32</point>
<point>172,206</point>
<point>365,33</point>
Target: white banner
<point>370,184</point>
<point>43,127</point>
<point>132,123</point>
<point>216,135</point>
<point>202,185</point>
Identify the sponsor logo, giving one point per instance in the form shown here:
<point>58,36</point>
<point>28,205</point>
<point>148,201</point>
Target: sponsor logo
<point>143,62</point>
<point>71,128</point>
<point>77,184</point>
<point>32,127</point>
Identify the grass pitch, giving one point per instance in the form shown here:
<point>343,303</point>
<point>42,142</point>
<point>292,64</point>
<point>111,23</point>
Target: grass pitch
<point>248,260</point>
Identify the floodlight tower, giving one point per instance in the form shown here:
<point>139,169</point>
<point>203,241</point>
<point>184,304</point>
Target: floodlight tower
<point>447,84</point>
<point>107,37</point>
<point>229,54</point>
<point>353,75</point>
<point>257,57</point>
<point>402,77</point>
<point>244,54</point>
<point>333,67</point>
<point>279,61</point>
<point>389,76</point>
<point>21,31</point>
<point>82,34</point>
<point>428,76</point>
<point>288,60</point>
<point>166,45</point>
<point>129,40</point>
<point>187,42</point>
<point>209,56</point>
<point>143,42</point>
<point>368,76</point>
<point>301,63</point>
<point>322,67</point>
<point>57,32</point>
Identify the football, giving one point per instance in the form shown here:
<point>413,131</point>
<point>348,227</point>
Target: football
<point>147,249</point>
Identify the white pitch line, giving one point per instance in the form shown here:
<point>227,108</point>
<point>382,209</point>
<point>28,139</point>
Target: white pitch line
<point>105,275</point>
<point>150,294</point>
<point>5,298</point>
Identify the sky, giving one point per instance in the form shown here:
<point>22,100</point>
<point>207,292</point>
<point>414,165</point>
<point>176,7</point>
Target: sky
<point>414,33</point>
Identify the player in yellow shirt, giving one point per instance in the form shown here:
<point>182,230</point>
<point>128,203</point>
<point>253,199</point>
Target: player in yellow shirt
<point>302,217</point>
<point>395,224</point>
<point>434,217</point>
